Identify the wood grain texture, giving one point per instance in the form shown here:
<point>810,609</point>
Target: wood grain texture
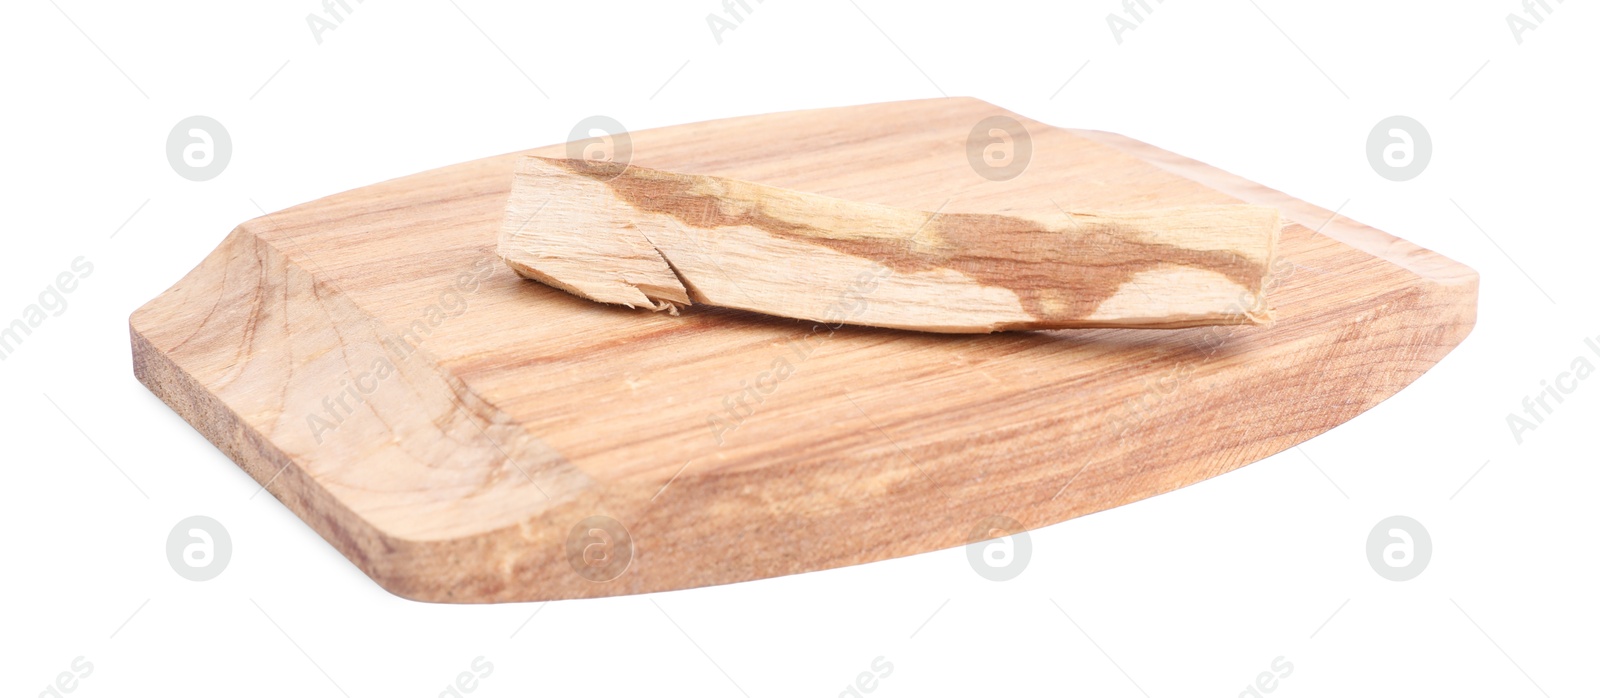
<point>446,424</point>
<point>639,237</point>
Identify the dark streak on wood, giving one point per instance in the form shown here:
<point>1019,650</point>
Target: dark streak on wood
<point>1048,269</point>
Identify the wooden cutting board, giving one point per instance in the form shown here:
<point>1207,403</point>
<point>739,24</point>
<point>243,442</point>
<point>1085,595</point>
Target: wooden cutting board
<point>465,435</point>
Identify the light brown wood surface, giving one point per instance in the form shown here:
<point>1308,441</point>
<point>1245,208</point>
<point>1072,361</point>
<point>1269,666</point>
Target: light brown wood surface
<point>629,235</point>
<point>447,424</point>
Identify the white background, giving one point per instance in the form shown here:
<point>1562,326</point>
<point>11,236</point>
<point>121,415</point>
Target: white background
<point>1190,593</point>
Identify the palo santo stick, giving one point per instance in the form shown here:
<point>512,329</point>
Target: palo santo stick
<point>648,238</point>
